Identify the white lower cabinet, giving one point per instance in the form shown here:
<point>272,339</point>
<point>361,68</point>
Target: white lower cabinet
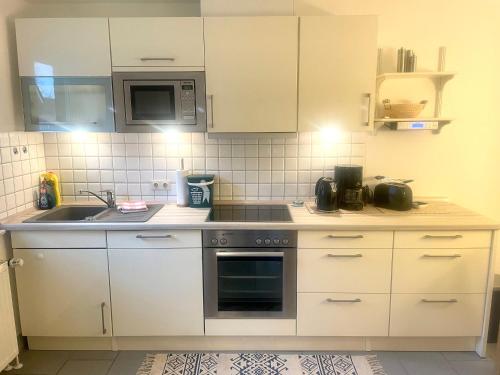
<point>344,270</point>
<point>440,270</point>
<point>157,292</point>
<point>437,315</point>
<point>64,292</point>
<point>342,314</point>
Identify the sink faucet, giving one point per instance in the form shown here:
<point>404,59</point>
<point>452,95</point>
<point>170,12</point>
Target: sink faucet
<point>110,200</point>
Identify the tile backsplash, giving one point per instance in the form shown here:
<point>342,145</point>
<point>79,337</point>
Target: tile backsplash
<point>23,159</point>
<point>270,168</point>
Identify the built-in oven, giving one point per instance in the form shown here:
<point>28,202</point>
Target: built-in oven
<point>250,273</point>
<point>157,101</point>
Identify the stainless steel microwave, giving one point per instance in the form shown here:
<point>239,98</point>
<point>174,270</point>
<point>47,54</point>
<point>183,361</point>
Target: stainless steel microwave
<point>157,101</point>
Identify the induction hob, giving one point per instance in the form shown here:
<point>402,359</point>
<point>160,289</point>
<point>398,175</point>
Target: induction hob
<point>272,213</point>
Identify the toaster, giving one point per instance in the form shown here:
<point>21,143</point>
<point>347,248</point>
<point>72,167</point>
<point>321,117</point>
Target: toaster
<point>393,196</point>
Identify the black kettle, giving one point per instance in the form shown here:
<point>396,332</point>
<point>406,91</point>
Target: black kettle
<point>326,194</point>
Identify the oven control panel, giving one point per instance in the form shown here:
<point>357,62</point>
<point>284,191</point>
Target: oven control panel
<point>250,238</point>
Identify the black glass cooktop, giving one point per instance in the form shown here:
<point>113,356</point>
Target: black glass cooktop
<point>250,213</point>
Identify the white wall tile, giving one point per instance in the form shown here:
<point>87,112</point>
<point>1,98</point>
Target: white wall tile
<point>246,168</point>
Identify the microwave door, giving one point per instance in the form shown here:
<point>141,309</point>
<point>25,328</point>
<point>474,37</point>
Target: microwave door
<point>152,102</point>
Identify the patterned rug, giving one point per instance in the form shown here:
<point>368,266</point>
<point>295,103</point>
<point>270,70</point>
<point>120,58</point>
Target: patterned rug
<point>259,364</point>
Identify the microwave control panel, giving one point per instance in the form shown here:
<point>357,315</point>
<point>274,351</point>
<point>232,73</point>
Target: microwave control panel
<point>188,101</point>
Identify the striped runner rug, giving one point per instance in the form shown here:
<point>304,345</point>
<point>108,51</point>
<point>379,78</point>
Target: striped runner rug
<point>259,364</point>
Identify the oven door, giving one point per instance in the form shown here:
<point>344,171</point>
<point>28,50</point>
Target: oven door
<point>250,282</point>
<point>152,102</point>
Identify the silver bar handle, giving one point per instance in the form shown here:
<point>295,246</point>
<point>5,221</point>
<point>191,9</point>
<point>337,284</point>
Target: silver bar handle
<point>331,300</point>
<point>211,100</point>
<point>452,300</point>
<point>345,255</point>
<point>252,254</point>
<point>154,236</point>
<point>157,59</point>
<point>452,237</point>
<point>335,236</point>
<point>368,111</point>
<point>104,330</point>
<point>442,256</point>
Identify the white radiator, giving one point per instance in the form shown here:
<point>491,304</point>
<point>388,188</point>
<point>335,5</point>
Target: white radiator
<point>8,338</point>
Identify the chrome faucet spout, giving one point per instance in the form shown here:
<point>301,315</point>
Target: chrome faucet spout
<point>109,201</point>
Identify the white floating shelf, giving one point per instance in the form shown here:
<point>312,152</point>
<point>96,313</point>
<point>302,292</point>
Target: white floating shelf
<point>445,76</point>
<point>441,121</point>
<point>426,119</point>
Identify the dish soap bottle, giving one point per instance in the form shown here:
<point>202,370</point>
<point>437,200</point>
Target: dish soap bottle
<point>44,199</point>
<point>53,187</point>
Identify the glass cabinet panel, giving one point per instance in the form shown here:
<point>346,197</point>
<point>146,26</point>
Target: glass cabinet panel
<point>67,104</point>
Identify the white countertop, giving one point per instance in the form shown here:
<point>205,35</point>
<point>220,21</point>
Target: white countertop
<point>436,216</point>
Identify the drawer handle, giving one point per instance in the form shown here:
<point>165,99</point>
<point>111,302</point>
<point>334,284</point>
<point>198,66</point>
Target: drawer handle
<point>104,330</point>
<point>453,300</point>
<point>442,256</point>
<point>330,300</point>
<point>335,236</point>
<point>345,255</point>
<point>157,236</point>
<point>449,237</point>
<point>157,59</point>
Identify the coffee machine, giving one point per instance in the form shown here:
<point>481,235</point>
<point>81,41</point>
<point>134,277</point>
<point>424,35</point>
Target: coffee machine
<point>349,182</point>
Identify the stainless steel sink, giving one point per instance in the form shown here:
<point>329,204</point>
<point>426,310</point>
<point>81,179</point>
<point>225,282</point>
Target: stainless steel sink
<point>84,214</point>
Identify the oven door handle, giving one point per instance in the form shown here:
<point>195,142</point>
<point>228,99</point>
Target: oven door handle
<point>251,254</point>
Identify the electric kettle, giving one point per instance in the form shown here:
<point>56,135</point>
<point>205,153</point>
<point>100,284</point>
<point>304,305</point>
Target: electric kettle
<point>326,194</point>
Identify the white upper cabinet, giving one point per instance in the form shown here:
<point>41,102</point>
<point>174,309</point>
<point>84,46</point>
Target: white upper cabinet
<point>160,42</point>
<point>251,74</point>
<point>63,47</point>
<point>338,62</point>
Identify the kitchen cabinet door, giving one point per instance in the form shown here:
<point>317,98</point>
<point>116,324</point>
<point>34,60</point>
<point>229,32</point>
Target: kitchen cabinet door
<point>63,47</point>
<point>251,72</point>
<point>338,63</point>
<point>64,292</point>
<point>157,292</point>
<point>160,42</point>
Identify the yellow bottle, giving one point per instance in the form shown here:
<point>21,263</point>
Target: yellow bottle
<point>53,180</point>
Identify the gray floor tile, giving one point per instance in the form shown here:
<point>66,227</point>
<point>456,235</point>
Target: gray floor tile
<point>391,363</point>
<point>425,363</point>
<point>127,363</point>
<point>92,354</point>
<point>461,356</point>
<point>481,367</point>
<point>85,367</point>
<point>41,362</point>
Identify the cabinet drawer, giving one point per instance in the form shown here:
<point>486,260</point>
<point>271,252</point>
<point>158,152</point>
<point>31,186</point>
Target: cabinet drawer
<point>440,270</point>
<point>154,239</point>
<point>437,314</point>
<point>58,239</point>
<point>344,240</point>
<point>166,41</point>
<point>441,239</point>
<point>342,314</point>
<point>344,270</point>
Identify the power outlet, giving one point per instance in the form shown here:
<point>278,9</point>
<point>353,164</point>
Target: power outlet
<point>160,184</point>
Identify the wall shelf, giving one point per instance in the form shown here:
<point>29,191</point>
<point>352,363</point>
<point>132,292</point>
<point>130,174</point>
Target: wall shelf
<point>439,77</point>
<point>385,122</point>
<point>444,76</point>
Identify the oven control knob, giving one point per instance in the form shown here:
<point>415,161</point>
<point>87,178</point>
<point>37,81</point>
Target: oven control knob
<point>214,241</point>
<point>258,241</point>
<point>284,241</point>
<point>223,241</point>
<point>276,241</point>
<point>267,241</point>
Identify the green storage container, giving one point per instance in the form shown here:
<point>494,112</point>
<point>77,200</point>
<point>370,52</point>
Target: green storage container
<point>201,190</point>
